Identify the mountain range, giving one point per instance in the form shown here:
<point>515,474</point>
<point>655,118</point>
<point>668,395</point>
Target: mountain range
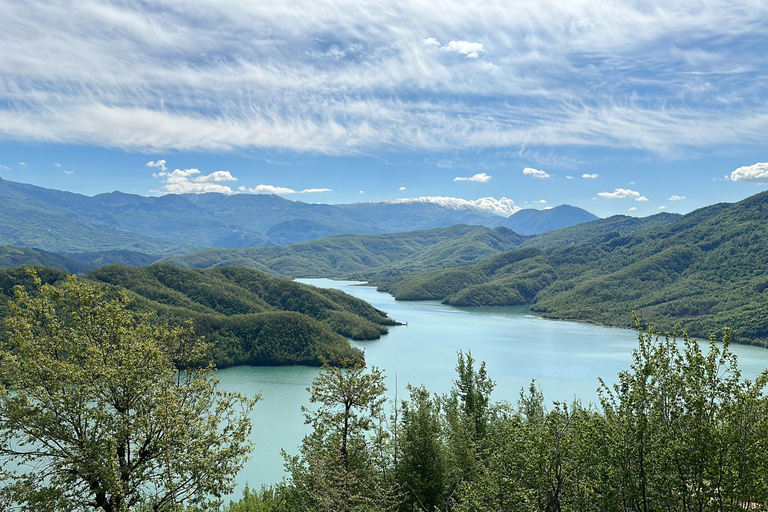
<point>66,222</point>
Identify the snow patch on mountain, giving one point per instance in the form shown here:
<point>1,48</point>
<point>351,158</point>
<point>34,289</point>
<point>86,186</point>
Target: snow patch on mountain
<point>503,207</point>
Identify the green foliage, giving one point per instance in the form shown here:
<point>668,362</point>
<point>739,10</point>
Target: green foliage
<point>101,410</point>
<point>339,466</point>
<point>688,431</point>
<point>422,465</point>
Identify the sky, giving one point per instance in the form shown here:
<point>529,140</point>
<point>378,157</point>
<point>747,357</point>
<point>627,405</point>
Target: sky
<point>618,107</point>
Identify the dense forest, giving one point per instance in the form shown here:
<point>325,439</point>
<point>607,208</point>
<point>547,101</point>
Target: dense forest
<point>248,316</point>
<point>680,431</point>
<point>705,270</point>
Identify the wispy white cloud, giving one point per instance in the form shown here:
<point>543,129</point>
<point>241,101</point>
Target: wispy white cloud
<point>662,207</point>
<point>68,172</point>
<point>675,197</point>
<point>590,176</point>
<point>5,167</point>
<point>540,201</point>
<point>340,77</point>
<point>632,209</point>
<point>57,165</point>
<point>621,193</point>
<point>536,173</point>
<point>23,164</point>
<point>480,177</point>
<point>756,173</point>
<point>401,188</point>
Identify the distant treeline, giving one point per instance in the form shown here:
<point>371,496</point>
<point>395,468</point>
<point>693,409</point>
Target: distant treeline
<point>248,316</point>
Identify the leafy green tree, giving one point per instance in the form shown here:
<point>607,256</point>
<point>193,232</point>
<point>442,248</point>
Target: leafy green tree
<point>100,410</point>
<point>339,466</point>
<point>473,390</point>
<point>686,432</point>
<point>421,467</point>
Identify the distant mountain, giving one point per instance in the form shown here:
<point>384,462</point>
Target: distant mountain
<point>59,221</point>
<point>703,271</point>
<point>533,222</point>
<point>13,256</point>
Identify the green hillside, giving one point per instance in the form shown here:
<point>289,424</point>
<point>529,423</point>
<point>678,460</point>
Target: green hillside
<point>358,255</point>
<point>705,271</point>
<point>249,317</point>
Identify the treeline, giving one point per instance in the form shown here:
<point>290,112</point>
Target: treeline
<point>680,431</point>
<point>248,316</point>
<point>707,269</point>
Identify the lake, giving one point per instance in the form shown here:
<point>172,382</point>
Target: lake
<point>565,358</point>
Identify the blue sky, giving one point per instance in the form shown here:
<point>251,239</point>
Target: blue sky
<point>610,105</point>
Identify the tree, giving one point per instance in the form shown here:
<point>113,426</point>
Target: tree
<point>686,433</point>
<point>339,467</point>
<point>101,410</point>
<point>421,469</point>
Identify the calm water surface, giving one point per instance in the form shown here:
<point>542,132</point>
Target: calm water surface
<point>565,358</point>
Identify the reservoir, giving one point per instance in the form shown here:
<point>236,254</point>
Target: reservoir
<point>565,358</point>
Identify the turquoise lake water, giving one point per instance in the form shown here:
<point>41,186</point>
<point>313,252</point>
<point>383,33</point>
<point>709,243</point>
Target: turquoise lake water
<point>565,358</point>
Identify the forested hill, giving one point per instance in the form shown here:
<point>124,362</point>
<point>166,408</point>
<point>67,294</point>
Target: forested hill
<point>345,255</point>
<point>384,257</point>
<point>250,317</point>
<point>705,271</point>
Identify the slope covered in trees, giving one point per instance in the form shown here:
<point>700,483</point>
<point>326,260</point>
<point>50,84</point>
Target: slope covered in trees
<point>347,255</point>
<point>248,316</point>
<point>705,270</point>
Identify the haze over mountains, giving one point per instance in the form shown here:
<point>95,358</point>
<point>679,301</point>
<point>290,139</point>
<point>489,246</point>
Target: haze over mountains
<point>65,222</point>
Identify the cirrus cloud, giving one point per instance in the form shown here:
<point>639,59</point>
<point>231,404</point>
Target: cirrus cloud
<point>217,76</point>
<point>675,197</point>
